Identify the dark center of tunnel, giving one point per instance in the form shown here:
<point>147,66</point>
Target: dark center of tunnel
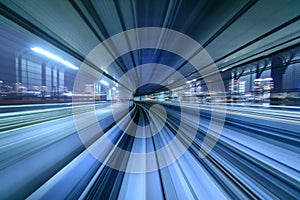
<point>149,89</point>
<point>141,114</point>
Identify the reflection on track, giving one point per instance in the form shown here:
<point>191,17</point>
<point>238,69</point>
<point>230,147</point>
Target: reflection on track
<point>256,157</point>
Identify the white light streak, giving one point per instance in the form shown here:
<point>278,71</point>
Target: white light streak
<point>104,82</point>
<point>54,57</point>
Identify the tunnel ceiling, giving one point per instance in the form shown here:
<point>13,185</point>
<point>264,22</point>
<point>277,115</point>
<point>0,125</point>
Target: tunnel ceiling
<point>232,32</point>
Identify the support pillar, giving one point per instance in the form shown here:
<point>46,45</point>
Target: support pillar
<point>19,69</point>
<point>43,74</point>
<point>57,83</point>
<point>226,76</point>
<point>277,71</point>
<point>52,83</point>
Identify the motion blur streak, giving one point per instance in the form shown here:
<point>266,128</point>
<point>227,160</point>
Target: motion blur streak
<point>255,157</point>
<point>150,99</point>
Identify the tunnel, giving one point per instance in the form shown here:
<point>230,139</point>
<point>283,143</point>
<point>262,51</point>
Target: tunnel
<point>149,99</point>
